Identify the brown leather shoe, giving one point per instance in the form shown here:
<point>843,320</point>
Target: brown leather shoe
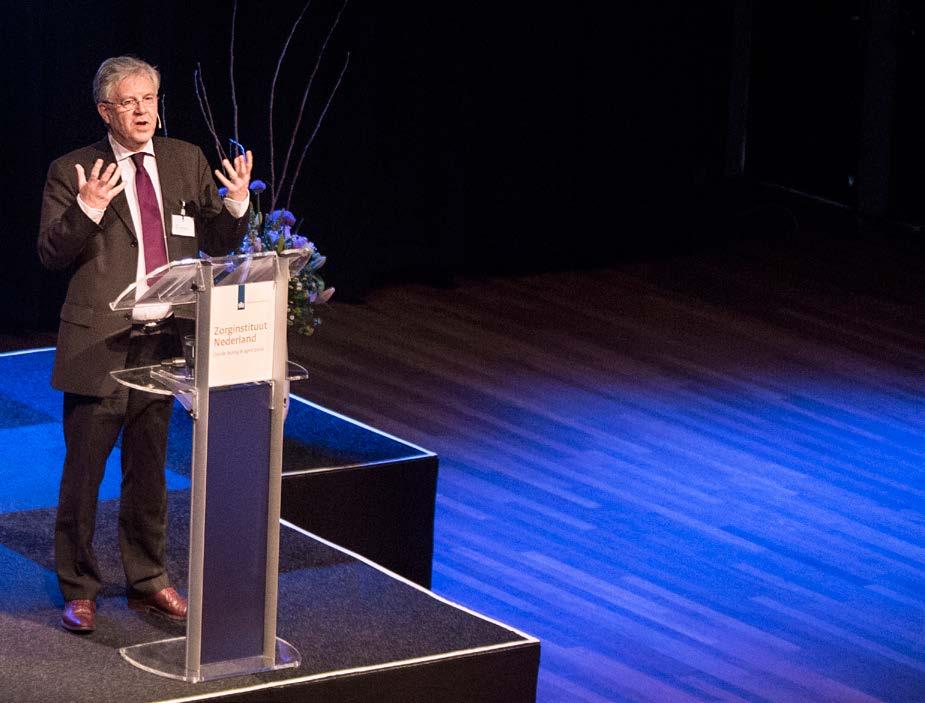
<point>166,603</point>
<point>79,615</point>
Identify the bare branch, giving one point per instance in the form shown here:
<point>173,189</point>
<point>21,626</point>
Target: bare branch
<point>308,87</point>
<point>273,99</point>
<point>327,104</point>
<point>200,88</point>
<point>234,97</point>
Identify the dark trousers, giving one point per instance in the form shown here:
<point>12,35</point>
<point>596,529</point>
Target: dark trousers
<point>91,427</point>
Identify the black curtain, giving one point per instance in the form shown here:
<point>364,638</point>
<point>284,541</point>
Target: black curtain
<point>497,138</point>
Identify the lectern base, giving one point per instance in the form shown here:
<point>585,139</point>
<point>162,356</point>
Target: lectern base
<point>168,658</point>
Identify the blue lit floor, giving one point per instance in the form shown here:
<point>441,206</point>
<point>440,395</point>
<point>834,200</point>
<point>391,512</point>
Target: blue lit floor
<point>701,480</point>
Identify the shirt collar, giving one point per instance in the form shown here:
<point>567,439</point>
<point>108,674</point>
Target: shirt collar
<point>121,152</point>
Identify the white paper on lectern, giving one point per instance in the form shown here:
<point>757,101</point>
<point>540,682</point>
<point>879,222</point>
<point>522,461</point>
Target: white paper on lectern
<point>241,335</point>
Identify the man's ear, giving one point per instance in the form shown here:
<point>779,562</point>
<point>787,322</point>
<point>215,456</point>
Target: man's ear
<point>104,112</point>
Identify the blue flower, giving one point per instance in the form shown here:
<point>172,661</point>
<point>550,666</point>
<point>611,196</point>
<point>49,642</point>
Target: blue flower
<point>222,192</point>
<point>298,241</point>
<point>258,186</point>
<point>280,218</point>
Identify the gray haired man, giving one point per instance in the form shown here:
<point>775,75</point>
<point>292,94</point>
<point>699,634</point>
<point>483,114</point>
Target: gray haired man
<point>108,218</point>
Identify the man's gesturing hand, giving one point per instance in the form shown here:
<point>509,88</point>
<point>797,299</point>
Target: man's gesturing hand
<point>239,175</point>
<point>98,190</point>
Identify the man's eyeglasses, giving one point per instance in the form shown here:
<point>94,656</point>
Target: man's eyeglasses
<point>146,102</point>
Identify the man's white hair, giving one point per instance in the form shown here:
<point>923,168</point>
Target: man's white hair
<point>113,70</point>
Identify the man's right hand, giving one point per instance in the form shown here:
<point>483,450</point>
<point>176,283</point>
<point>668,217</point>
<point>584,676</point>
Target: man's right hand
<point>98,190</point>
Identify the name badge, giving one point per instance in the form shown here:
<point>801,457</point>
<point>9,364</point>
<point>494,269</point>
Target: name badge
<point>182,226</point>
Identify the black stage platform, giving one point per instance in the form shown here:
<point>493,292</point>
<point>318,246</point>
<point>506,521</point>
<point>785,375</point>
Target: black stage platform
<point>348,483</point>
<point>365,633</point>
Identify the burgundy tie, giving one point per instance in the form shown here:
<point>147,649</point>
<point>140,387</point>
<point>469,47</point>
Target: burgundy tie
<point>152,227</point>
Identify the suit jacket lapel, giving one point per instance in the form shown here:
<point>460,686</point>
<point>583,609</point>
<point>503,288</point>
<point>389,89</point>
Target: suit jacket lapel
<point>119,204</point>
<point>169,173</point>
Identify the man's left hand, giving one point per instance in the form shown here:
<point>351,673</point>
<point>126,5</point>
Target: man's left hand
<point>238,175</point>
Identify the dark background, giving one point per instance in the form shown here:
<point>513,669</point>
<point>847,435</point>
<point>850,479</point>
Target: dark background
<point>495,140</point>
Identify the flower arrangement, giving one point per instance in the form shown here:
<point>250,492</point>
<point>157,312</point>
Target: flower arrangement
<point>278,230</point>
<point>274,232</point>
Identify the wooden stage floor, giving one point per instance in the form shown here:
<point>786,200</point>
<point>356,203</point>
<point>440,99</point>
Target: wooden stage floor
<point>694,480</point>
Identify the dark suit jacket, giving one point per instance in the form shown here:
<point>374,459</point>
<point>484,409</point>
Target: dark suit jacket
<point>92,339</point>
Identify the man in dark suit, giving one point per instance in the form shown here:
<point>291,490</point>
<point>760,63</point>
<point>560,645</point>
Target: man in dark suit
<point>111,212</point>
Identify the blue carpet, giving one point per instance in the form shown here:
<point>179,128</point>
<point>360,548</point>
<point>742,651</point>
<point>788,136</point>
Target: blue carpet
<point>30,468</point>
<point>31,439</point>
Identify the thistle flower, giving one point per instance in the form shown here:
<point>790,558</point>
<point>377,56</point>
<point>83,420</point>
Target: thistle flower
<point>258,186</point>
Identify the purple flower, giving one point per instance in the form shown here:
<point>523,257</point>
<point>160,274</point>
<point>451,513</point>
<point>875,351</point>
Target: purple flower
<point>320,297</point>
<point>251,245</point>
<point>258,186</point>
<point>222,192</point>
<point>298,241</point>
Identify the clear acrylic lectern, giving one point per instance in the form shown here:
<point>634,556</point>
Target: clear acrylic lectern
<point>237,392</point>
